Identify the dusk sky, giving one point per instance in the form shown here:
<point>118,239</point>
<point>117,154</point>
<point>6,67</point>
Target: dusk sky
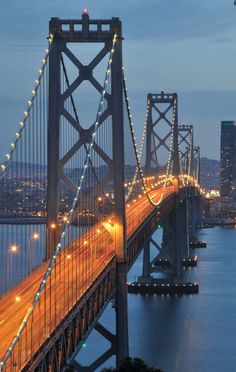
<point>183,46</point>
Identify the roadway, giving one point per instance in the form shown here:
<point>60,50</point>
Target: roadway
<point>73,273</point>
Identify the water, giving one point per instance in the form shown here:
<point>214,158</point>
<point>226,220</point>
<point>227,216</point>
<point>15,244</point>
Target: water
<point>29,241</point>
<point>190,333</point>
<point>194,333</point>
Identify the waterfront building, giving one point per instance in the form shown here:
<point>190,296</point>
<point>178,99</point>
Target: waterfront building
<point>228,168</point>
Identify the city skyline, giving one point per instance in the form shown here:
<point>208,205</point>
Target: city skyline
<point>192,54</point>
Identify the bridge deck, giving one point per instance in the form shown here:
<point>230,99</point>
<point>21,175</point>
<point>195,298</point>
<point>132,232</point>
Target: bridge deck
<point>52,309</point>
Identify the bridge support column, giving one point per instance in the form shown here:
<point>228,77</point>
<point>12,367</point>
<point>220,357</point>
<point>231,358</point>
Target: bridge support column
<point>146,260</point>
<point>122,348</point>
<point>193,216</point>
<point>175,245</point>
<point>53,145</point>
<point>173,254</point>
<point>175,240</point>
<point>185,228</point>
<point>148,265</point>
<point>178,237</point>
<point>199,210</point>
<point>182,234</point>
<point>195,219</point>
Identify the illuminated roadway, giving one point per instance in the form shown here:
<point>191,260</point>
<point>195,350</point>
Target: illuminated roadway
<point>76,268</point>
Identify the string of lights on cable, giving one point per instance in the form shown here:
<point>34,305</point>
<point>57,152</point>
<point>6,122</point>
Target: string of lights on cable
<point>81,180</point>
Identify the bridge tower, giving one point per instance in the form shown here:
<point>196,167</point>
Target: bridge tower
<point>168,140</point>
<point>65,33</point>
<point>186,149</point>
<point>163,111</point>
<point>196,163</point>
<point>195,208</point>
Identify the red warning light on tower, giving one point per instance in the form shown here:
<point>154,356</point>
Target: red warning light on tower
<point>85,11</point>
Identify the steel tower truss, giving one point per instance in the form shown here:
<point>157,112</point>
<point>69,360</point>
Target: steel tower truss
<point>195,207</point>
<point>186,148</point>
<point>89,31</point>
<point>162,110</point>
<point>196,163</point>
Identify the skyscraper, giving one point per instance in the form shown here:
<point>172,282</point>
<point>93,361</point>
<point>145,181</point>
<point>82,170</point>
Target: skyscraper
<point>228,167</point>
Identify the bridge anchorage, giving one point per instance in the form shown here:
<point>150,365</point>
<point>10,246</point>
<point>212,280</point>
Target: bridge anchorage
<point>178,223</point>
<point>76,213</point>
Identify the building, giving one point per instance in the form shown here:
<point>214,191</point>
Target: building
<point>228,168</point>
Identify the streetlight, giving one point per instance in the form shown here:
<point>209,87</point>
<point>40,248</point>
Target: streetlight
<point>34,237</point>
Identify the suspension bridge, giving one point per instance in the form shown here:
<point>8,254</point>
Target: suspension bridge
<point>81,199</point>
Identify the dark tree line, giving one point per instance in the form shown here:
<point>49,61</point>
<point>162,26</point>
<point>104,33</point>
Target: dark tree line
<point>133,365</point>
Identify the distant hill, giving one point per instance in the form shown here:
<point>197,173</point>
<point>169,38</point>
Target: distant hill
<point>209,169</point>
<point>210,173</point>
